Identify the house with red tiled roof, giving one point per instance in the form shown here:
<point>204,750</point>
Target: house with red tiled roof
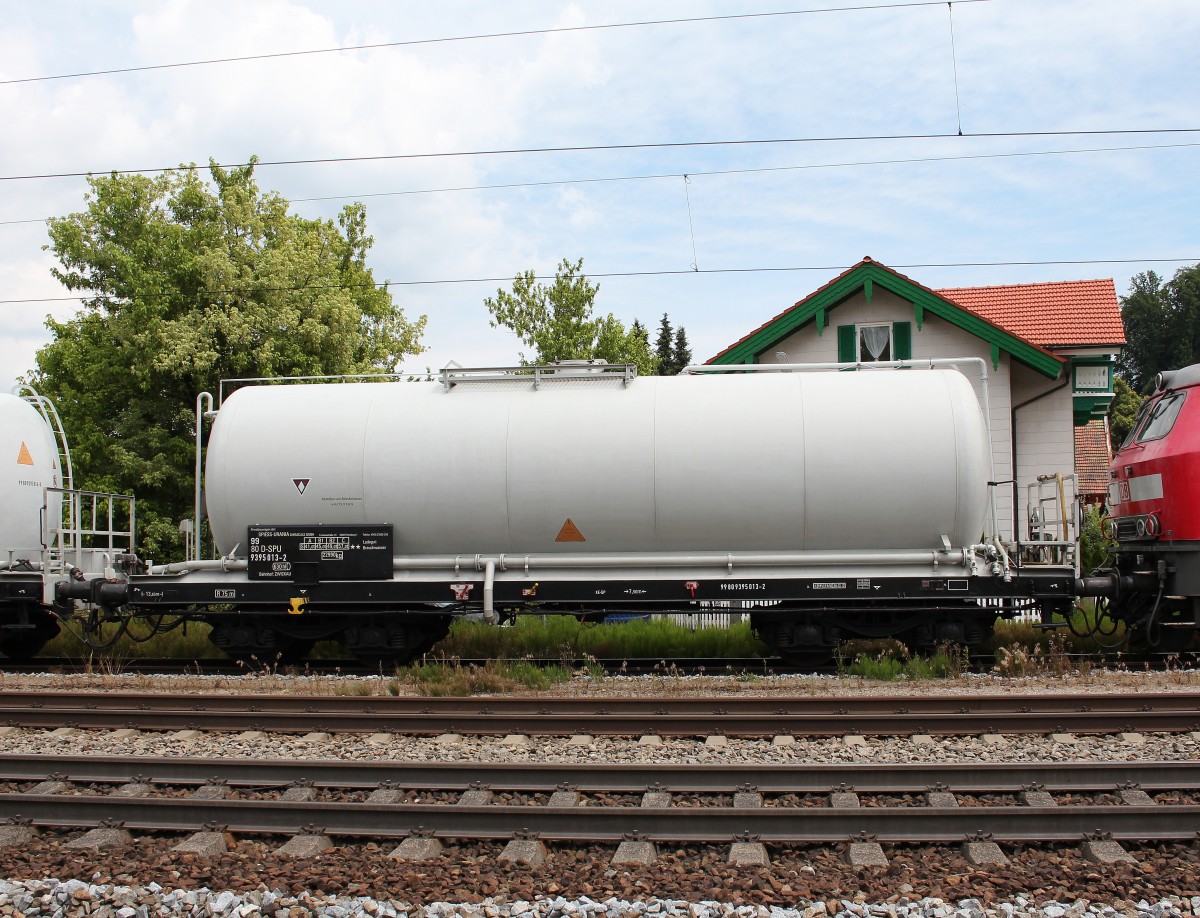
<point>1046,353</point>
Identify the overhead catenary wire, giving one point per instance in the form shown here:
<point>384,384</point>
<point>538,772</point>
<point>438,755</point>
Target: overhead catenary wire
<point>691,229</point>
<point>600,275</point>
<point>954,66</point>
<point>520,33</point>
<point>751,170</point>
<point>613,147</point>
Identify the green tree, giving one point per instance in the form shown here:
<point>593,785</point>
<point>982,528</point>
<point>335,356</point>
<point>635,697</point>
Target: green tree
<point>639,331</point>
<point>664,348</point>
<point>1122,411</point>
<point>1162,325</point>
<point>1093,546</point>
<point>671,349</point>
<point>188,282</point>
<point>557,321</point>
<point>681,354</point>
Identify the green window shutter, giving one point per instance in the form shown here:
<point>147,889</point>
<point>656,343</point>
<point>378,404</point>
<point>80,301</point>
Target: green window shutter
<point>902,340</point>
<point>847,344</point>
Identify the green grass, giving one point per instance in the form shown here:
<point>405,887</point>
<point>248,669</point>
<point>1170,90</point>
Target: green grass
<point>176,645</point>
<point>1029,636</point>
<point>554,637</point>
<point>890,660</point>
<point>494,677</point>
<point>188,642</point>
<point>563,637</point>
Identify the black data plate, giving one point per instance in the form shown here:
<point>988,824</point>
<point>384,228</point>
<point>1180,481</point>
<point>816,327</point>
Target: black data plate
<point>312,554</point>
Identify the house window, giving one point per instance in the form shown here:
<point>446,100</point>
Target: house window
<point>874,343</point>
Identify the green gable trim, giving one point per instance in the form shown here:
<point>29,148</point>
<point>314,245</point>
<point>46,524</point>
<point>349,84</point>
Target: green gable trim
<point>923,302</point>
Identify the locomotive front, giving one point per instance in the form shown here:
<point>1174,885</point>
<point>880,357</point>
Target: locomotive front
<point>1154,499</point>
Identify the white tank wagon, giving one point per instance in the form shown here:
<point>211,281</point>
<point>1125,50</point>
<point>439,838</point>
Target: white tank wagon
<point>30,456</point>
<point>834,505</point>
<point>29,507</point>
<point>790,462</point>
<point>52,534</point>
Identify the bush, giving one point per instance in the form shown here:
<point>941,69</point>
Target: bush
<point>1094,548</point>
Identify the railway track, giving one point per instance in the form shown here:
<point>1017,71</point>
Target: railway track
<point>679,666</point>
<point>610,716</point>
<point>795,804</point>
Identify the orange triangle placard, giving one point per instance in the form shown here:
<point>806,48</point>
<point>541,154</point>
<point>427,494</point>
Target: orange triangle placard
<point>569,533</point>
<point>23,457</point>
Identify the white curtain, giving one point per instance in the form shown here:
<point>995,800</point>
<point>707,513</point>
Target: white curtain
<point>875,338</point>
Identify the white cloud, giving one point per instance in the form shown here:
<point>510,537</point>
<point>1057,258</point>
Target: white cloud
<point>1022,65</point>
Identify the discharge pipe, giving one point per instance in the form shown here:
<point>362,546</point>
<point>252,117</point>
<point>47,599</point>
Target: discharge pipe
<point>728,560</point>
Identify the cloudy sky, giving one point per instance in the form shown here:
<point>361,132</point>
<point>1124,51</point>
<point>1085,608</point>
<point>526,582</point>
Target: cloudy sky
<point>1040,181</point>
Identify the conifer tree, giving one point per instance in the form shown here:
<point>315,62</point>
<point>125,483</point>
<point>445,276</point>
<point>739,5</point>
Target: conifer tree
<point>664,348</point>
<point>682,354</point>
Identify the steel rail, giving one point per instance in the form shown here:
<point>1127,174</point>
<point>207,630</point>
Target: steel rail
<point>715,666</point>
<point>624,778</point>
<point>889,705</point>
<point>596,823</point>
<point>664,722</point>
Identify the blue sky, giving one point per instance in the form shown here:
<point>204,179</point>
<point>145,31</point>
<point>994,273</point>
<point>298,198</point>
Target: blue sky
<point>1022,66</point>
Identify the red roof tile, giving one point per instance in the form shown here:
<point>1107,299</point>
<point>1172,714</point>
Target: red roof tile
<point>1056,314</point>
<point>1092,455</point>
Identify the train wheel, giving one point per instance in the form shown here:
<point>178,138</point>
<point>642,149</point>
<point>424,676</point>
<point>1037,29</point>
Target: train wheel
<point>437,629</point>
<point>24,637</point>
<point>815,659</point>
<point>383,643</point>
<point>256,644</point>
<point>293,650</point>
<point>21,646</point>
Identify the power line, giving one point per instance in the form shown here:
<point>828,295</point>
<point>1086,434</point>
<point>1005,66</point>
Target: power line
<point>649,176</point>
<point>523,33</point>
<point>614,147</point>
<point>719,172</point>
<point>612,274</point>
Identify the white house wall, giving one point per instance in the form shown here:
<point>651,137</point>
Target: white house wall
<point>1045,429</point>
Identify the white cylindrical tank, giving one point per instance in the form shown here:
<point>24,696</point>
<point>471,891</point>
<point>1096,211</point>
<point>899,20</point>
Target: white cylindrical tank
<point>30,456</point>
<point>738,462</point>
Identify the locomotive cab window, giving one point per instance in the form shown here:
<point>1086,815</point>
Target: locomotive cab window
<point>1162,417</point>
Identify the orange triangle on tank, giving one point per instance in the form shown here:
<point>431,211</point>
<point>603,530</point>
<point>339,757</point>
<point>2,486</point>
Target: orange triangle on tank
<point>569,533</point>
<point>23,457</point>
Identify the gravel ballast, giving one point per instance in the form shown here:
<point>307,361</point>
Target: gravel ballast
<point>147,878</point>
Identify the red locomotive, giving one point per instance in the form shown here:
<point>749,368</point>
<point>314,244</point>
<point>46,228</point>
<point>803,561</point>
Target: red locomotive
<point>1153,581</point>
